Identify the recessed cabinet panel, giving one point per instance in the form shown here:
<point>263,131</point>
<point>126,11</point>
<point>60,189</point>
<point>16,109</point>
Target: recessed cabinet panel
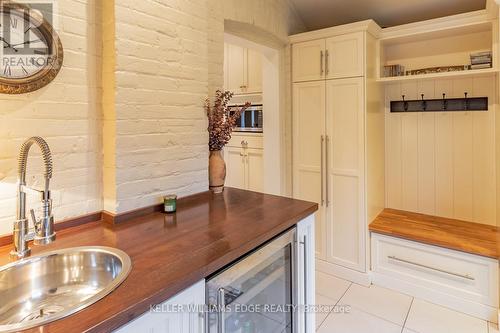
<point>226,66</point>
<point>254,72</point>
<point>345,129</point>
<point>235,167</point>
<point>345,56</point>
<point>308,150</point>
<point>345,230</point>
<point>255,169</point>
<point>345,112</point>
<point>308,59</point>
<point>236,68</point>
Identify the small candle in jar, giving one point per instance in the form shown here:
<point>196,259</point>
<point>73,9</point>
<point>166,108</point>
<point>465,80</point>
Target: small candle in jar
<point>170,203</point>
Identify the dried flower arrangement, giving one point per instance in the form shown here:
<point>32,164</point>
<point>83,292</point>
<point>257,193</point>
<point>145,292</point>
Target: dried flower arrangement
<point>220,121</point>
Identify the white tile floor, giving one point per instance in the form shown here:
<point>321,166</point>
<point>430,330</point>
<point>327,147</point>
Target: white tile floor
<point>379,310</point>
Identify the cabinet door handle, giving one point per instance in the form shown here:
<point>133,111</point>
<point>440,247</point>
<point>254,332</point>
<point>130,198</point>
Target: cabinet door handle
<point>321,62</point>
<point>221,302</point>
<point>463,276</point>
<point>321,168</point>
<point>304,244</point>
<point>327,67</point>
<point>327,171</point>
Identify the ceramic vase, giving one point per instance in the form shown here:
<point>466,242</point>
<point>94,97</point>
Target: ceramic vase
<point>216,171</point>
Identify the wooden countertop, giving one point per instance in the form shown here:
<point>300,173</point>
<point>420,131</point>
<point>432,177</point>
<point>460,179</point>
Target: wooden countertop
<point>474,238</point>
<point>171,252</point>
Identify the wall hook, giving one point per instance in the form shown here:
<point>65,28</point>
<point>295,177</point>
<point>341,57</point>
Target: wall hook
<point>405,103</point>
<point>445,102</point>
<point>424,103</point>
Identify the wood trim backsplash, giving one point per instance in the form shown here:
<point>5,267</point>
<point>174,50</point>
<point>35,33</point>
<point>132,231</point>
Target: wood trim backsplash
<point>65,224</point>
<point>112,218</point>
<point>104,216</point>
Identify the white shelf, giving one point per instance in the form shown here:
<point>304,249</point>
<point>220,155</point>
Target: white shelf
<point>438,43</point>
<point>457,74</point>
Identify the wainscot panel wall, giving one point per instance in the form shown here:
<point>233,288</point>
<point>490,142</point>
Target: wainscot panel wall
<point>442,163</point>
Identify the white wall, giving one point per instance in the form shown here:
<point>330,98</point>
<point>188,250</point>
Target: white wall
<point>442,163</point>
<point>166,62</point>
<point>161,77</point>
<point>67,114</point>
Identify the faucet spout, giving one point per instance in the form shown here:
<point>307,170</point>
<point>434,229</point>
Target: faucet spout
<point>44,227</point>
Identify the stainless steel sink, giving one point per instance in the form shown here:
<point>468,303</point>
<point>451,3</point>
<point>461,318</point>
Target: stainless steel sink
<point>44,288</point>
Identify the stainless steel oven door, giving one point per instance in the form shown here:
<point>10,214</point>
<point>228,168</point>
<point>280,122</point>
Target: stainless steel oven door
<point>257,293</point>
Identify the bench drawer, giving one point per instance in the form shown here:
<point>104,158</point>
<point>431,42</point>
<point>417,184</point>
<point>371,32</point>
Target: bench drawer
<point>446,272</point>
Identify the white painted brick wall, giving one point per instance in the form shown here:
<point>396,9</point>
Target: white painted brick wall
<point>67,114</point>
<point>169,55</point>
<point>161,82</point>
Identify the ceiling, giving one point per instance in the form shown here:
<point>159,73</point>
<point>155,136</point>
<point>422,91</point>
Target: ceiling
<point>318,14</point>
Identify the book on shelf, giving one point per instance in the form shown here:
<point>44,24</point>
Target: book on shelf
<point>394,70</point>
<point>481,58</point>
<point>480,66</point>
<point>477,61</point>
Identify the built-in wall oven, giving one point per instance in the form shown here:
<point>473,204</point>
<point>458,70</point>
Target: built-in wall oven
<point>251,120</point>
<point>257,293</point>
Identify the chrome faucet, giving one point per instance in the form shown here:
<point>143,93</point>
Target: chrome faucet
<point>43,232</point>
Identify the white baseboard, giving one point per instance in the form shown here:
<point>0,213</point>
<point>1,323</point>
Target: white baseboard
<point>361,278</point>
<point>474,309</point>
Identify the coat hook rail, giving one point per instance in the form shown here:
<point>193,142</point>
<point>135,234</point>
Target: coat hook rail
<point>440,105</point>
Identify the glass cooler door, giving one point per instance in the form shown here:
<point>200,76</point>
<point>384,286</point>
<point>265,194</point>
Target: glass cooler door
<point>256,294</point>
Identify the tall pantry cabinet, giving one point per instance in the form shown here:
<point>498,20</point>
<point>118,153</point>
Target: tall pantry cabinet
<point>338,141</point>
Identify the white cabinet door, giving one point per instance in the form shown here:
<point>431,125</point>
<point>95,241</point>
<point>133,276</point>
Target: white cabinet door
<point>254,159</point>
<point>253,82</point>
<point>345,182</point>
<point>308,151</point>
<point>235,167</point>
<point>235,68</point>
<point>226,66</point>
<point>168,320</point>
<point>242,70</point>
<point>344,56</point>
<point>308,61</point>
<point>244,158</point>
<point>306,273</point>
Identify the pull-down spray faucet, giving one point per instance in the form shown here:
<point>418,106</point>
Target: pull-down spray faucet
<point>43,232</point>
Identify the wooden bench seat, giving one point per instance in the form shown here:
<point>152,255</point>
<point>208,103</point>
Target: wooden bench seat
<point>469,237</point>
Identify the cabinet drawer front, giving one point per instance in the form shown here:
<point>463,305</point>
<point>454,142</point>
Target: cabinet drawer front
<point>256,142</point>
<point>446,271</point>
